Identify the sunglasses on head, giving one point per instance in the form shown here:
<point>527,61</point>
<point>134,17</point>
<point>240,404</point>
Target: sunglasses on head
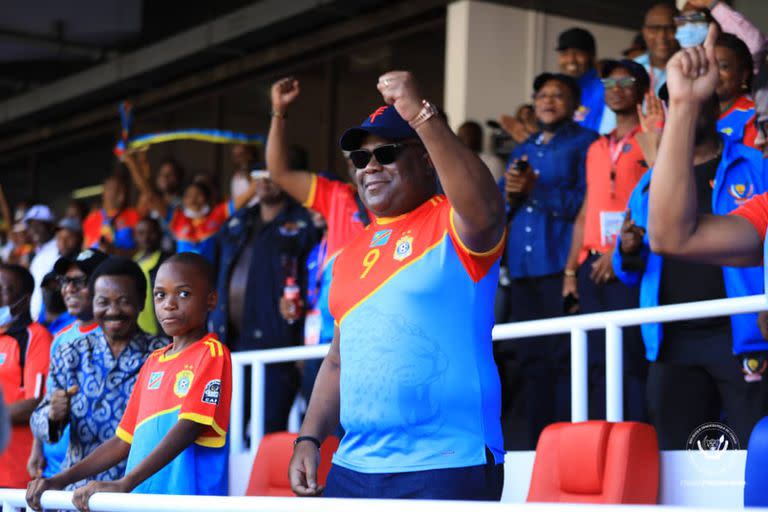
<point>624,82</point>
<point>385,155</point>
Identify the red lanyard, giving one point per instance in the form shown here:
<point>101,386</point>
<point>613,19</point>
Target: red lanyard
<point>615,149</point>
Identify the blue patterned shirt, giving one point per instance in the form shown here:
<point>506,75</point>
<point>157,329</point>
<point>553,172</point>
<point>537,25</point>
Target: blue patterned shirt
<point>105,384</point>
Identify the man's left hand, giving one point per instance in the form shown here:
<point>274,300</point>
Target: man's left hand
<point>82,495</point>
<point>602,269</point>
<point>399,88</point>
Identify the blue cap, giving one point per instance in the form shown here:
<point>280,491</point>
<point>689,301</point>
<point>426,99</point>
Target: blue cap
<point>383,122</point>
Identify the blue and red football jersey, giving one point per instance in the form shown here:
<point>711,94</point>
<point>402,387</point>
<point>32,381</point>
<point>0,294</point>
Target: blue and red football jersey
<point>194,384</point>
<point>419,386</point>
<point>196,235</point>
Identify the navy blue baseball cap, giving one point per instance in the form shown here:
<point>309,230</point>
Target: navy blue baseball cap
<point>635,70</point>
<point>384,122</point>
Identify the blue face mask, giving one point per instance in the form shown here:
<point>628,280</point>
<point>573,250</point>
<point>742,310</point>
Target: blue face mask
<point>691,34</point>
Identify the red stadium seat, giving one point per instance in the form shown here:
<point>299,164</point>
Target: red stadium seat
<point>269,476</point>
<point>596,462</point>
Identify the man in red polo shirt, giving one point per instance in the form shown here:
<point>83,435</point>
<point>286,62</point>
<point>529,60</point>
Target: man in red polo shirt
<point>615,163</point>
<point>25,348</point>
<point>338,202</point>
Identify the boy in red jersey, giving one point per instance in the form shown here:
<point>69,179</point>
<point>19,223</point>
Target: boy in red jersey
<point>174,428</point>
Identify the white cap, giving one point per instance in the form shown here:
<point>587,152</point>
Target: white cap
<point>39,212</point>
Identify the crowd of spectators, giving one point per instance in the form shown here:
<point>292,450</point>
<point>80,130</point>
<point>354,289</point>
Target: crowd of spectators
<point>78,291</point>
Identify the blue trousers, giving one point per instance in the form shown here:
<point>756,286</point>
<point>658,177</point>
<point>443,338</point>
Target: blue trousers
<point>476,483</point>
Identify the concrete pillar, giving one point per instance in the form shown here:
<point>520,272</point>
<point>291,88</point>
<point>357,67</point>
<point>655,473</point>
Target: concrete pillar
<point>493,52</point>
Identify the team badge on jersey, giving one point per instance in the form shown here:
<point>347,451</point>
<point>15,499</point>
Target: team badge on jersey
<point>212,392</point>
<point>155,379</point>
<point>380,238</point>
<point>183,383</point>
<point>2,357</point>
<point>404,248</point>
<point>741,193</point>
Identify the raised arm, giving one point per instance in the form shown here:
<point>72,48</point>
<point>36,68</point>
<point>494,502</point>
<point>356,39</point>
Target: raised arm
<point>674,226</point>
<point>468,184</point>
<point>138,168</point>
<point>296,184</point>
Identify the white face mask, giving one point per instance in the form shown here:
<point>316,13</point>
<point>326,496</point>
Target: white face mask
<point>197,214</point>
<point>6,317</point>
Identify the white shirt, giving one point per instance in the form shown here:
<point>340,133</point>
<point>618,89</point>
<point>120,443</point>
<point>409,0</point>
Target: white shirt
<point>41,264</point>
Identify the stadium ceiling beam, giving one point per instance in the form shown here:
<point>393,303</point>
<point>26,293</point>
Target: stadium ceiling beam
<point>92,52</point>
<point>311,46</point>
<point>183,45</point>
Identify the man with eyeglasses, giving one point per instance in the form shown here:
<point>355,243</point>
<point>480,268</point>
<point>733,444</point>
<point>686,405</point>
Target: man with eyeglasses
<point>72,274</point>
<point>615,163</point>
<point>544,187</point>
<point>659,33</point>
<point>686,246</point>
<point>93,374</point>
<point>410,371</point>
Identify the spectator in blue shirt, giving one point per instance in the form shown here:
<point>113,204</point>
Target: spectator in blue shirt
<point>659,34</point>
<point>543,201</point>
<point>92,377</point>
<point>72,274</point>
<point>577,53</point>
<point>257,250</point>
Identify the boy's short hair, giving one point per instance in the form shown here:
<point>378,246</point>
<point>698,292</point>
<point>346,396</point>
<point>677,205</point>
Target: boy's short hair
<point>120,266</point>
<point>25,278</point>
<point>199,262</point>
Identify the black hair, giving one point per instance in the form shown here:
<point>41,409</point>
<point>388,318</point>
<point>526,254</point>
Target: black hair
<point>23,275</point>
<point>202,187</point>
<point>200,264</point>
<point>475,133</point>
<point>742,52</point>
<point>178,169</point>
<point>120,266</point>
<point>151,220</point>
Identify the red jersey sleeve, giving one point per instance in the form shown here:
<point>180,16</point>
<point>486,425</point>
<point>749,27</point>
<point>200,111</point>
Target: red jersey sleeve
<point>223,211</point>
<point>756,212</point>
<point>92,228</point>
<point>37,362</point>
<point>210,394</point>
<point>322,192</point>
<point>127,425</point>
<point>750,133</point>
<point>477,264</point>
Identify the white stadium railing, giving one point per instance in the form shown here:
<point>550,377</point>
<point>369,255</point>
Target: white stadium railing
<point>13,501</point>
<point>578,325</point>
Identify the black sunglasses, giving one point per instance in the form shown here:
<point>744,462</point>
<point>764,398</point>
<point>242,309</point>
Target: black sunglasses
<point>385,155</point>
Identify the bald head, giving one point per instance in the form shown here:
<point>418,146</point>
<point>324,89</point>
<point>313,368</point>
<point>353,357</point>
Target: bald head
<point>660,11</point>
